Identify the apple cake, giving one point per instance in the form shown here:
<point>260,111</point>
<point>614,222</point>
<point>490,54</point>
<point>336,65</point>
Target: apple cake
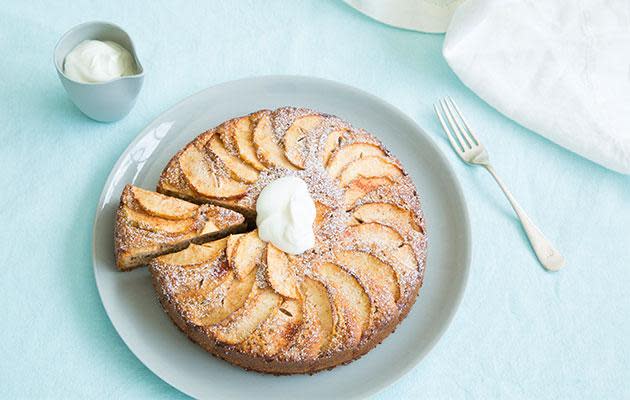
<point>248,302</point>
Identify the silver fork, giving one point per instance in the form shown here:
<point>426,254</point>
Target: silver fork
<point>471,151</point>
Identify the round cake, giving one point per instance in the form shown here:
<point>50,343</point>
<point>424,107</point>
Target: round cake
<point>250,303</point>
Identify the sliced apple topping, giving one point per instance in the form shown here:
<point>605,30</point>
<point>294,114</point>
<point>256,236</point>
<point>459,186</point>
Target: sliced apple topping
<point>193,297</point>
<point>238,169</point>
<point>216,245</point>
<point>379,284</point>
<point>156,224</point>
<point>225,299</point>
<point>267,149</point>
<point>373,233</point>
<point>195,254</point>
<point>241,134</point>
<point>322,214</point>
<point>230,246</point>
<point>360,187</point>
<point>204,308</point>
<point>315,293</point>
<point>347,286</point>
<point>295,138</point>
<point>195,168</point>
<point>244,321</point>
<point>346,327</point>
<point>163,206</point>
<point>387,214</point>
<point>352,152</point>
<point>172,183</point>
<point>370,167</point>
<point>364,264</point>
<point>406,257</point>
<point>316,331</point>
<point>209,227</point>
<point>280,273</point>
<point>378,236</point>
<point>247,252</point>
<point>332,142</point>
<point>276,332</point>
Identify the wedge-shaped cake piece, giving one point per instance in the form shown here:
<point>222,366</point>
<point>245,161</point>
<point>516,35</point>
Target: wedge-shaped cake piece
<point>268,150</point>
<point>352,152</point>
<point>296,138</point>
<point>239,170</point>
<point>150,224</point>
<point>280,274</point>
<point>370,167</point>
<point>239,133</point>
<point>246,253</point>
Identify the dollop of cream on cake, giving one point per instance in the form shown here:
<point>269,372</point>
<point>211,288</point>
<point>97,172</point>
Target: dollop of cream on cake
<point>285,215</point>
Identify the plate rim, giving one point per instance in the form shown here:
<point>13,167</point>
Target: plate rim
<point>461,199</point>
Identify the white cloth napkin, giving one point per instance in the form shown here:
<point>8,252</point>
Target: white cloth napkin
<point>560,68</point>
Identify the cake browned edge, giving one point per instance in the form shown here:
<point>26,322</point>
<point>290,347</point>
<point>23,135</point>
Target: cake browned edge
<point>274,366</point>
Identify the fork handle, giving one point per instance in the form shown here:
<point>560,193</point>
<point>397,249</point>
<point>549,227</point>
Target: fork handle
<point>547,254</point>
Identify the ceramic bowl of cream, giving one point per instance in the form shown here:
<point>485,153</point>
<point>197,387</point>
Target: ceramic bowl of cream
<point>102,97</point>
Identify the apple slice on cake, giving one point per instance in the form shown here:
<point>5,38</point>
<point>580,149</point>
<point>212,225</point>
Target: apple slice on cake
<point>268,150</point>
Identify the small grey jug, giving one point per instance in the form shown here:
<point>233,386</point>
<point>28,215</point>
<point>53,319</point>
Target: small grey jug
<point>102,101</point>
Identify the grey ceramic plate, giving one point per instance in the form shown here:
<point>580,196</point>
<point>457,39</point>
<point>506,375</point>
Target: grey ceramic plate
<point>134,310</point>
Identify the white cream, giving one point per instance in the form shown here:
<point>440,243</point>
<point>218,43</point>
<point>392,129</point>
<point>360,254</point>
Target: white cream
<point>285,215</point>
<point>95,61</point>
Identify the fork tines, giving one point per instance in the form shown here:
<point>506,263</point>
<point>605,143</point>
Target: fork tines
<point>457,129</point>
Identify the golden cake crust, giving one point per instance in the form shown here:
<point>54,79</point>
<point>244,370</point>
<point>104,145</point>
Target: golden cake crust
<point>247,302</point>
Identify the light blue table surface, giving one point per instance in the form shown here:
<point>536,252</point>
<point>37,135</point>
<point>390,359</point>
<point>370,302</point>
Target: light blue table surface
<point>520,332</point>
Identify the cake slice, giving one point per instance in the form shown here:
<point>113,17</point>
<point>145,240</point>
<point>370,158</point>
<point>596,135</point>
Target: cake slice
<point>150,224</point>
